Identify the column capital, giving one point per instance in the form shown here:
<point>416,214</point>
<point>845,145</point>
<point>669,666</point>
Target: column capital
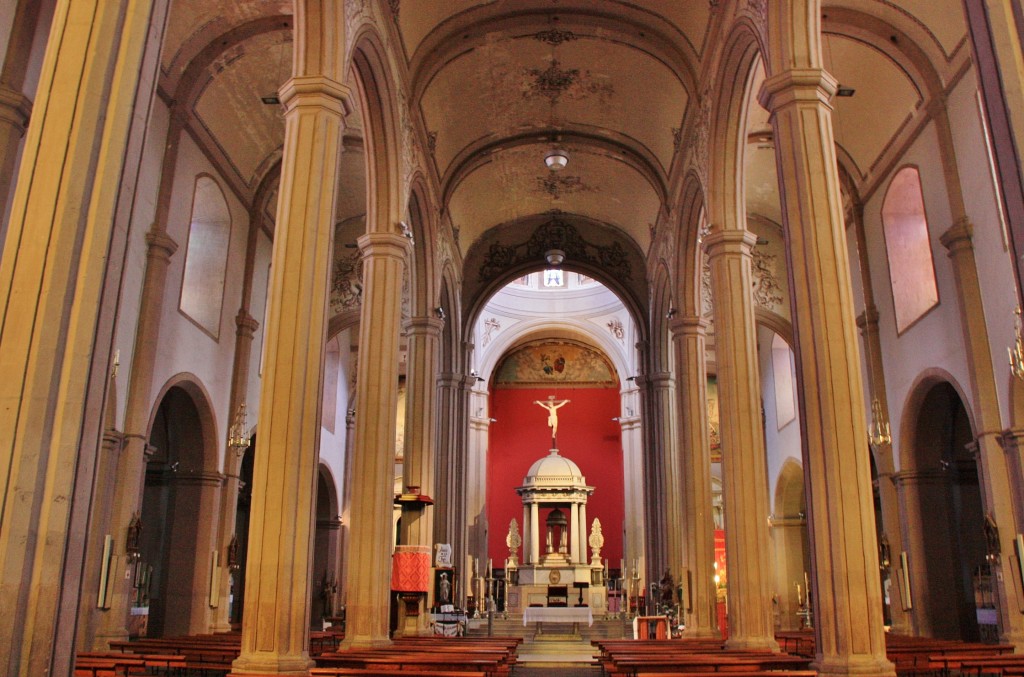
<point>924,476</point>
<point>689,326</point>
<point>15,107</point>
<point>246,325</point>
<point>798,85</point>
<point>959,237</point>
<point>868,320</point>
<point>161,245</point>
<point>424,326</point>
<point>383,244</point>
<point>721,242</point>
<point>314,90</point>
<point>660,379</point>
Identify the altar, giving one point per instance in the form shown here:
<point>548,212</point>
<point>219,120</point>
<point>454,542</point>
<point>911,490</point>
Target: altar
<point>547,614</point>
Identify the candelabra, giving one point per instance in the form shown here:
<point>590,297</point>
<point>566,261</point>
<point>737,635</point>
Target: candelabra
<point>1016,353</point>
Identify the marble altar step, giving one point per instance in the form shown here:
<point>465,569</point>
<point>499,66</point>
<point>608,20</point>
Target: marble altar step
<point>513,627</point>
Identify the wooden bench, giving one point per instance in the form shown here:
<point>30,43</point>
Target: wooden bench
<point>345,672</point>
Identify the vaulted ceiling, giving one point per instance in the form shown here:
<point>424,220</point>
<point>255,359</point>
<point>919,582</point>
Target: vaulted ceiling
<point>497,84</point>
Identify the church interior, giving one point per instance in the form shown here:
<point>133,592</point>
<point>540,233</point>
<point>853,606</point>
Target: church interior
<point>367,321</point>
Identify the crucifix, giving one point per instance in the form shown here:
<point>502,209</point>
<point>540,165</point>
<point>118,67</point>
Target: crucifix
<point>552,406</point>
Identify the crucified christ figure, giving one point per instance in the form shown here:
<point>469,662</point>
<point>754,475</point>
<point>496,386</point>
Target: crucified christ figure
<point>552,406</point>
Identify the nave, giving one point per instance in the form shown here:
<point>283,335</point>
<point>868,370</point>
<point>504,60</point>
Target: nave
<point>321,313</point>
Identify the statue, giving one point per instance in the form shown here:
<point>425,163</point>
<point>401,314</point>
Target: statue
<point>513,541</point>
<point>596,543</point>
<point>444,590</point>
<point>552,406</point>
<point>666,589</point>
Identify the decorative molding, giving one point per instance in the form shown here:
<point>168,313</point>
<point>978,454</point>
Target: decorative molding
<point>555,37</point>
<point>707,307</point>
<point>557,185</point>
<point>756,10</point>
<point>555,234</point>
<point>617,330</point>
<point>767,288</point>
<point>552,82</point>
<point>347,282</point>
<point>491,325</point>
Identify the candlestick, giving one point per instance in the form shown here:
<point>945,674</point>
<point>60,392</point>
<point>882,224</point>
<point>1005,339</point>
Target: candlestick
<point>799,597</point>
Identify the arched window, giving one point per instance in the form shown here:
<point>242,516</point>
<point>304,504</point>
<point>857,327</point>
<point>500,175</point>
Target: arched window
<point>908,248</point>
<point>782,373</point>
<point>202,287</point>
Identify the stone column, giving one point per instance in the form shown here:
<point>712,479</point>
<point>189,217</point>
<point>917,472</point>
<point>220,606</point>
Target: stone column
<point>138,402</point>
<point>424,355</point>
<point>664,417</point>
<point>992,467</point>
<point>51,284</point>
<point>847,588</point>
<point>1013,445</point>
<point>450,503</point>
<point>698,527</point>
<point>275,621</point>
<point>744,469</point>
<point>15,107</point>
<point>384,260</point>
<point>635,542</point>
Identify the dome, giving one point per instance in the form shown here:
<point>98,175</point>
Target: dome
<point>554,471</point>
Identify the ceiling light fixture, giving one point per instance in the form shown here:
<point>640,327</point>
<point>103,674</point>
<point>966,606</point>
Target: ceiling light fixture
<point>556,159</point>
<point>554,257</point>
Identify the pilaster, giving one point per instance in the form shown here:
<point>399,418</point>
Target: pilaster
<point>696,573</point>
<point>992,467</point>
<point>847,589</point>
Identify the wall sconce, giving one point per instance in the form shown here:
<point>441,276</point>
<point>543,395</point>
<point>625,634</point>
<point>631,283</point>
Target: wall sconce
<point>117,363</point>
<point>237,438</point>
<point>671,313</point>
<point>878,428</point>
<point>132,541</point>
<point>1016,353</point>
<point>439,311</point>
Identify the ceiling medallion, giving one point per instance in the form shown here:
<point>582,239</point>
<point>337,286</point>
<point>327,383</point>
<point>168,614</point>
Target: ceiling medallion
<point>555,37</point>
<point>557,185</point>
<point>552,82</point>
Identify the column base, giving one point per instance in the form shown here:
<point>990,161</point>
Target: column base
<point>854,665</point>
<point>1014,638</point>
<point>756,643</point>
<point>363,643</point>
<point>281,666</point>
<point>702,633</point>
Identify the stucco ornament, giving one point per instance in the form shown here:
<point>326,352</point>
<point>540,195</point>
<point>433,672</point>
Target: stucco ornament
<point>596,543</point>
<point>513,541</point>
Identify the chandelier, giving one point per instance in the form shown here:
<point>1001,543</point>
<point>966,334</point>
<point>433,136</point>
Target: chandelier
<point>237,439</point>
<point>878,428</point>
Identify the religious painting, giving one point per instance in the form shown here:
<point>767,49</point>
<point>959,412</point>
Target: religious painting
<point>713,420</point>
<point>555,362</point>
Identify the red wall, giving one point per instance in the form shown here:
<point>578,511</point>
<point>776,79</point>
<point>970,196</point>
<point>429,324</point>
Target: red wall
<point>587,435</point>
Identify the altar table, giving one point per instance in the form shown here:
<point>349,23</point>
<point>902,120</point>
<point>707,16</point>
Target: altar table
<point>550,614</point>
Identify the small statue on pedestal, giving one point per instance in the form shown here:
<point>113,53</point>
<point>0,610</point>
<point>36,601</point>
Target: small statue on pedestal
<point>596,543</point>
<point>513,541</point>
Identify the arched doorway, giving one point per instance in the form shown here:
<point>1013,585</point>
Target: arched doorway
<point>177,520</point>
<point>241,541</point>
<point>792,548</point>
<point>949,575</point>
<point>324,588</point>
